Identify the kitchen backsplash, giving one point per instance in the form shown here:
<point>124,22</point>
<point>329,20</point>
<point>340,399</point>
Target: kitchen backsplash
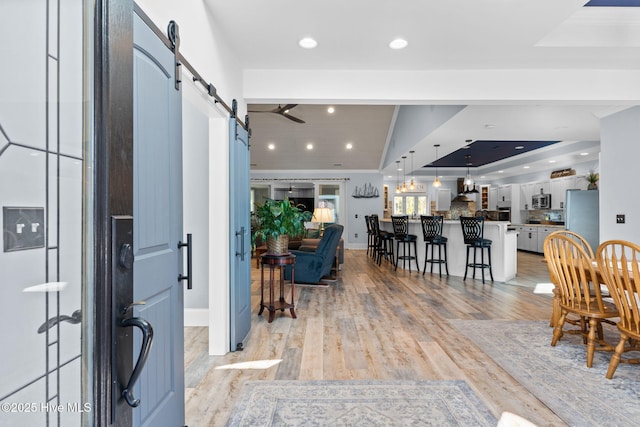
<point>542,215</point>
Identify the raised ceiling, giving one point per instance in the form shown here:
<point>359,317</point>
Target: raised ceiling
<point>441,35</point>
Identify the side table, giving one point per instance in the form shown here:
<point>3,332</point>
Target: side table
<point>273,261</point>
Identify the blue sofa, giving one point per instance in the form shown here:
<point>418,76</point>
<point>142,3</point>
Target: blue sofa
<point>310,267</point>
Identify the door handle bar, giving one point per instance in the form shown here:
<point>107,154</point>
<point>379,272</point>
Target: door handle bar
<point>241,234</point>
<point>147,340</point>
<point>189,262</point>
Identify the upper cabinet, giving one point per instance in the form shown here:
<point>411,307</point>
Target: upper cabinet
<point>493,198</point>
<point>509,195</point>
<point>581,182</point>
<point>504,193</point>
<point>559,187</point>
<point>529,189</point>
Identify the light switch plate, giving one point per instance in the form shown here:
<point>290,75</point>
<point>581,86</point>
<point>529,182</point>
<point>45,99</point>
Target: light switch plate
<point>620,219</point>
<point>23,228</point>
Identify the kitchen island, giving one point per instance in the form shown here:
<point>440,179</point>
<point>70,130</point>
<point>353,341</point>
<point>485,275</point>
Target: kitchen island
<point>504,258</point>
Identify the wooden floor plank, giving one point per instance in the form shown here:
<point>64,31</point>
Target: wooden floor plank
<point>375,323</point>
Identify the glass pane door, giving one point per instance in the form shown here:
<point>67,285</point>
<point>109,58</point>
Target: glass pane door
<point>44,149</point>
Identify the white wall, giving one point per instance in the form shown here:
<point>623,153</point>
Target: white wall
<point>618,175</point>
<point>206,175</point>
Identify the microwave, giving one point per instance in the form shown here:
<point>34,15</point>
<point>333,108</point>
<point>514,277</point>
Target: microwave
<point>541,201</point>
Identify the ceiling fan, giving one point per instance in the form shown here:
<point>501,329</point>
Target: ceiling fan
<point>283,111</point>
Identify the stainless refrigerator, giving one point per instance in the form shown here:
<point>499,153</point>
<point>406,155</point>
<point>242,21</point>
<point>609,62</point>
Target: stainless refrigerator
<point>582,215</point>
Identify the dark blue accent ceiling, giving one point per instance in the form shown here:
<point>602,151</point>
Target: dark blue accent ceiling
<point>613,3</point>
<point>484,152</point>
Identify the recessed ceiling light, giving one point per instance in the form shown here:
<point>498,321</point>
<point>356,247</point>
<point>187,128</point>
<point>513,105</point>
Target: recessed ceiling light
<point>552,161</point>
<point>309,146</point>
<point>526,167</point>
<point>331,110</point>
<point>489,126</point>
<point>271,147</point>
<point>518,147</point>
<point>584,154</point>
<point>349,146</point>
<point>308,43</point>
<point>500,171</point>
<point>398,44</point>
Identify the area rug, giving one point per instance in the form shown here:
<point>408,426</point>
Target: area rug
<point>359,403</point>
<point>558,376</point>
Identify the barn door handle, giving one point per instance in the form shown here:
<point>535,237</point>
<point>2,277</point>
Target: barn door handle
<point>147,340</point>
<point>241,234</point>
<point>189,265</point>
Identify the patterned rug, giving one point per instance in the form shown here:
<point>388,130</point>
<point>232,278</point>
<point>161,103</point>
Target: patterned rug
<point>558,376</point>
<point>359,403</point>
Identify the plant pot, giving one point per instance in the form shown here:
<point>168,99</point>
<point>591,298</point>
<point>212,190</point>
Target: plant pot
<point>278,246</point>
<point>592,186</point>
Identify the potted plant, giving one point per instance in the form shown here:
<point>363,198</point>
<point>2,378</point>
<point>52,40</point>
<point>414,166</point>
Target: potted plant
<point>592,178</point>
<point>276,221</point>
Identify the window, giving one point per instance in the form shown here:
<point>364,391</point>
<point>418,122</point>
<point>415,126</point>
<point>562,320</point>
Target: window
<point>398,205</point>
<point>410,205</point>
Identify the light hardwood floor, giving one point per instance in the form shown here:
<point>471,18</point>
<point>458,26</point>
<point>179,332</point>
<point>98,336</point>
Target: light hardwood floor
<point>375,323</point>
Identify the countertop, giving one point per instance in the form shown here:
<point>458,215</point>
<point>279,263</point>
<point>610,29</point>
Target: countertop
<point>559,226</point>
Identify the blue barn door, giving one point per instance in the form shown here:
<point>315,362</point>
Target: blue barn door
<point>157,229</point>
<point>240,244</point>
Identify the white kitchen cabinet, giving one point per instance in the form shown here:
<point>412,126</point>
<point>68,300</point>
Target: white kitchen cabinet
<point>504,193</point>
<point>526,190</point>
<point>527,238</point>
<point>509,194</point>
<point>559,187</point>
<point>543,232</point>
<point>581,182</point>
<point>529,189</point>
<point>493,198</point>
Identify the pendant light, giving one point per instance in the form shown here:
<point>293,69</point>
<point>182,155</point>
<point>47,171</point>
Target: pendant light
<point>412,185</point>
<point>436,180</point>
<point>397,176</point>
<point>404,174</point>
<point>469,186</point>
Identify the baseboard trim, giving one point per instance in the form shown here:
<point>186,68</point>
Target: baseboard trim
<point>196,317</point>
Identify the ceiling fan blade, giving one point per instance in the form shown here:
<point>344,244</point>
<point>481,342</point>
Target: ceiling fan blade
<point>290,117</point>
<point>284,109</point>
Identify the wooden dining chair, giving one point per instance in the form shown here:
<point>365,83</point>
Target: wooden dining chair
<point>619,265</point>
<point>578,283</point>
<point>555,311</point>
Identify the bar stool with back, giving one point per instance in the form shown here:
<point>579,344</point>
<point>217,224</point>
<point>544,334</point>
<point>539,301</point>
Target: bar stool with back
<point>371,237</point>
<point>473,235</point>
<point>383,241</point>
<point>401,235</point>
<point>432,233</point>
